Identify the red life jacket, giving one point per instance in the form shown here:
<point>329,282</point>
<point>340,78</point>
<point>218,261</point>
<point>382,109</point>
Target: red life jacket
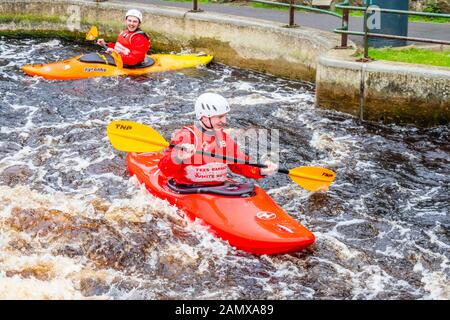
<point>201,169</point>
<point>132,46</point>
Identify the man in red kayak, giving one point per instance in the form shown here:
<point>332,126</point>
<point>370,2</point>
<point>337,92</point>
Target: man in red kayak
<point>132,43</point>
<point>188,167</point>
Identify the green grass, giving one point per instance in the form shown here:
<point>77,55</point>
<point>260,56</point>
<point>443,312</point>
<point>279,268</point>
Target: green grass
<point>428,19</point>
<point>412,55</point>
<point>7,18</point>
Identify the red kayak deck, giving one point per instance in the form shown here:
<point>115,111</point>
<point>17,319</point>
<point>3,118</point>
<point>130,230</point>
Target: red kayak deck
<point>254,224</point>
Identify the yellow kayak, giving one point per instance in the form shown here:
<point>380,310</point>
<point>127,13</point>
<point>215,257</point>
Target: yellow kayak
<point>105,65</point>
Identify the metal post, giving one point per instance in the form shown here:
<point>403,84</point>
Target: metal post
<point>195,7</point>
<point>344,36</point>
<point>366,31</point>
<point>291,13</point>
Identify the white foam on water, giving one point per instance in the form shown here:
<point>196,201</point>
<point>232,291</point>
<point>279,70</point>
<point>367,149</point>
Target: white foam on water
<point>330,240</point>
<point>434,239</point>
<point>436,283</point>
<point>18,288</point>
<point>337,147</point>
<point>372,282</point>
<point>391,252</point>
<point>58,277</point>
<point>45,267</point>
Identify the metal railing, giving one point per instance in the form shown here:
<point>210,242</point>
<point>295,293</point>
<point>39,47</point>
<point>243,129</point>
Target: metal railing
<point>291,6</point>
<point>346,8</point>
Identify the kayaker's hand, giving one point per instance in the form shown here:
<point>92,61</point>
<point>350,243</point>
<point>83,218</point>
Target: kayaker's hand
<point>109,50</point>
<point>271,168</point>
<point>186,151</point>
<point>101,42</point>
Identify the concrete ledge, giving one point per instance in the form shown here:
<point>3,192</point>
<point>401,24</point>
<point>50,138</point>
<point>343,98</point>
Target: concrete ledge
<point>384,91</point>
<point>242,42</point>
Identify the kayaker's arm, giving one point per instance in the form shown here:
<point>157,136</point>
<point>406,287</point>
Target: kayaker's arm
<point>240,168</point>
<point>170,163</point>
<point>141,45</point>
<point>102,43</point>
<point>248,171</point>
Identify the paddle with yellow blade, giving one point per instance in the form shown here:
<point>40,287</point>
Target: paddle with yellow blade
<point>131,136</point>
<point>92,34</point>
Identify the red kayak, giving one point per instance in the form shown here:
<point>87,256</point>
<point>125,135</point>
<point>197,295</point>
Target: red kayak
<point>251,221</point>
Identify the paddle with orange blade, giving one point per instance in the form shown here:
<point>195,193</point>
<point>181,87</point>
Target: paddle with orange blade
<point>131,136</point>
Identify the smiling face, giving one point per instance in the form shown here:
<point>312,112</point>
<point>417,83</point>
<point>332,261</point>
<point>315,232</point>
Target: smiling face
<point>217,122</point>
<point>132,23</point>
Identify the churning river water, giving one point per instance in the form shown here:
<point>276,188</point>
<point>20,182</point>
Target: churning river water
<point>73,224</point>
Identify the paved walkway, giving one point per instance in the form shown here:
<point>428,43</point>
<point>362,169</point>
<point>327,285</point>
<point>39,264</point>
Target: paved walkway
<point>312,20</point>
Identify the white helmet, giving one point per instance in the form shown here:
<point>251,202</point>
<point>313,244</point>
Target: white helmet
<point>211,104</point>
<point>134,13</point>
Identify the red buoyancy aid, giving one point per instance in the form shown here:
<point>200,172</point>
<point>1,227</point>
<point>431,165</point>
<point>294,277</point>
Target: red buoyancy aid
<point>132,46</point>
<point>201,169</point>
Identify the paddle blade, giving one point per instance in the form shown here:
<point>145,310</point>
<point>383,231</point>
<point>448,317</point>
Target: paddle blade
<point>130,136</point>
<point>92,33</point>
<point>312,178</point>
<point>117,59</point>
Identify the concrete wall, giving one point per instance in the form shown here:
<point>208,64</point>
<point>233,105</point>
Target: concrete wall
<point>247,43</point>
<point>383,91</point>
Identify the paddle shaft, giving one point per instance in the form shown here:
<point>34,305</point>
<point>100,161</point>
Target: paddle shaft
<point>130,136</point>
<point>224,157</point>
<point>103,45</point>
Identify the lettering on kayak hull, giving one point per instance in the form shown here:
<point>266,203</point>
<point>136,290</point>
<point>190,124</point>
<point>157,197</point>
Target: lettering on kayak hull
<point>91,69</point>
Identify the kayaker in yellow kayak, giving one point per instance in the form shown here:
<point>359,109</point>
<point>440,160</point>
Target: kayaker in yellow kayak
<point>186,166</point>
<point>132,43</point>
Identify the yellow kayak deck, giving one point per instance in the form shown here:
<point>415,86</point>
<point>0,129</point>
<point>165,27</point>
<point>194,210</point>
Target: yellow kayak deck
<point>73,68</point>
